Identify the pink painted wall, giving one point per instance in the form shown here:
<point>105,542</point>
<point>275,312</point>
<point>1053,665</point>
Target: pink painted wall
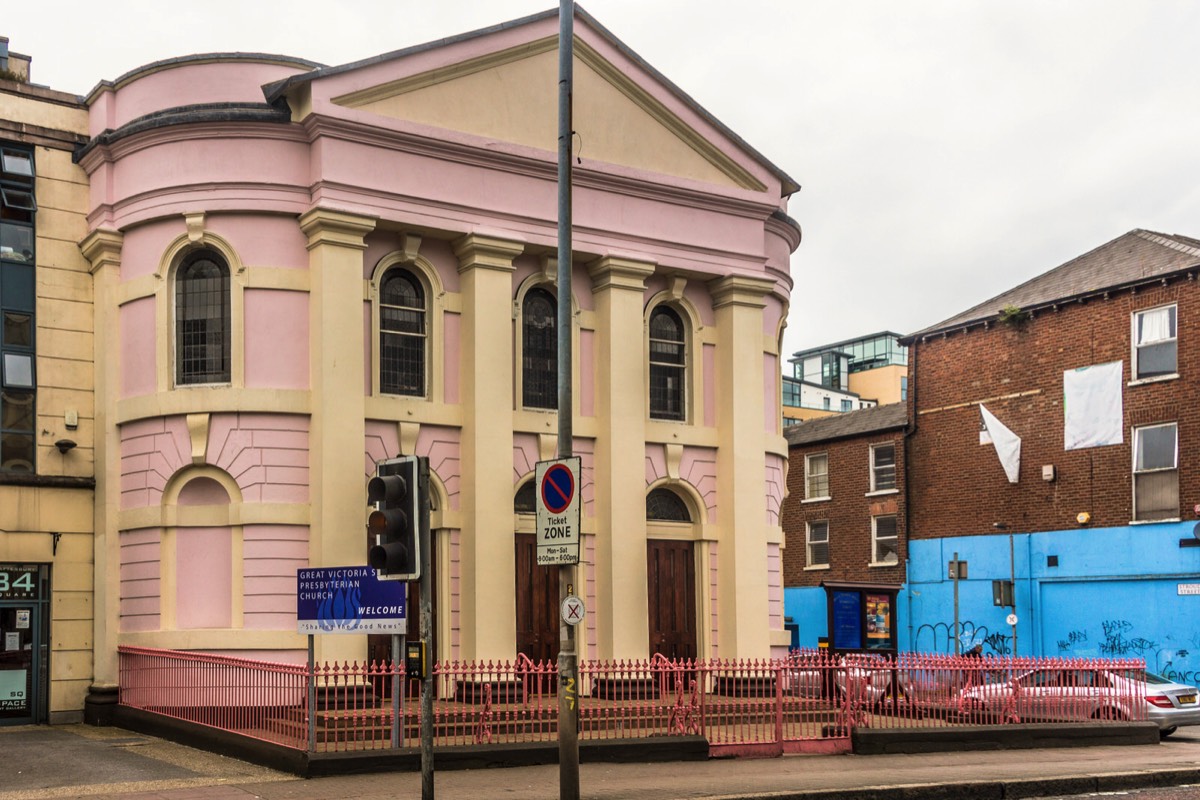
<point>260,240</point>
<point>697,468</point>
<point>439,444</point>
<point>203,492</point>
<point>775,586</point>
<point>776,481</point>
<point>587,373</point>
<point>203,578</point>
<point>772,394</point>
<point>451,357</point>
<point>140,579</point>
<point>185,84</point>
<point>271,555</point>
<point>267,454</point>
<point>137,324</point>
<point>714,589</point>
<point>276,339</point>
<point>152,451</point>
<point>143,248</point>
<point>709,357</point>
<point>455,593</point>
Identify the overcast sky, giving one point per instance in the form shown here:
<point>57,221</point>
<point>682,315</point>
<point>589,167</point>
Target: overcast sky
<point>947,150</point>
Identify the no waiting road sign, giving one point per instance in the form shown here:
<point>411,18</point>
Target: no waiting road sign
<point>557,484</point>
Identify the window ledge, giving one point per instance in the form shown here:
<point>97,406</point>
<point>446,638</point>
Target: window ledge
<point>1155,379</point>
<point>816,568</point>
<point>875,564</point>
<point>882,492</point>
<point>816,500</point>
<point>1153,521</point>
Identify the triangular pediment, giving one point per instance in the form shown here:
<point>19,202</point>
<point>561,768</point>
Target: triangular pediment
<point>511,96</point>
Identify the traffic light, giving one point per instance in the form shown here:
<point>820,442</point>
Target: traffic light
<point>394,523</point>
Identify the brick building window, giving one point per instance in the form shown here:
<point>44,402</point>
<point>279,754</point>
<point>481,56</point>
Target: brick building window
<point>816,477</point>
<point>1154,342</point>
<point>883,467</point>
<point>884,542</point>
<point>1156,472</point>
<point>818,544</point>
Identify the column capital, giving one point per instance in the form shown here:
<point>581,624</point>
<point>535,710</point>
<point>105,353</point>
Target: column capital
<point>740,290</point>
<point>102,248</point>
<point>614,272</point>
<point>327,226</point>
<point>480,251</point>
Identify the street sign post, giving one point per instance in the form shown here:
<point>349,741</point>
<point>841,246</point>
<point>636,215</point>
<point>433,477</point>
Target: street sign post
<point>557,484</point>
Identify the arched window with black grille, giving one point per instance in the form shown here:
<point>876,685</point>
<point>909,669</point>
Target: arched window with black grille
<point>202,328</point>
<point>539,350</point>
<point>668,364</point>
<point>663,505</point>
<point>525,500</point>
<point>402,337</point>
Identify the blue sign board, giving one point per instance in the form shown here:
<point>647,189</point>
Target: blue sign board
<point>847,620</point>
<point>349,600</point>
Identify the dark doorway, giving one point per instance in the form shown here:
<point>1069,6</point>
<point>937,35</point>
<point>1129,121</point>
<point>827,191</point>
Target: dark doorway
<point>537,603</point>
<point>671,595</point>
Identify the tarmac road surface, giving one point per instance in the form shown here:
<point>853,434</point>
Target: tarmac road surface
<point>77,761</point>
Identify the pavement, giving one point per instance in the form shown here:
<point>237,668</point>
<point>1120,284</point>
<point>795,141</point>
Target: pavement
<point>77,761</point>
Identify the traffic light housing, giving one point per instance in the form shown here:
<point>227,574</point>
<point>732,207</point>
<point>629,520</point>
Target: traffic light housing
<point>394,524</point>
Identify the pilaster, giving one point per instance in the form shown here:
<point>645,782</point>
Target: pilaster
<point>622,619</point>
<point>337,429</point>
<point>488,613</point>
<point>102,249</point>
<point>741,467</point>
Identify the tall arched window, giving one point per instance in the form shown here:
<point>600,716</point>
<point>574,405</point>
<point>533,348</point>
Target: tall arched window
<point>668,364</point>
<point>539,350</point>
<point>402,334</point>
<point>202,329</point>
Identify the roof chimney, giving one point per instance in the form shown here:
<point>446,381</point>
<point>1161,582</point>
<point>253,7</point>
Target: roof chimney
<point>14,63</point>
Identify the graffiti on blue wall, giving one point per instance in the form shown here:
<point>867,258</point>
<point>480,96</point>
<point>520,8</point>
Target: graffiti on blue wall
<point>939,638</point>
<point>1118,638</point>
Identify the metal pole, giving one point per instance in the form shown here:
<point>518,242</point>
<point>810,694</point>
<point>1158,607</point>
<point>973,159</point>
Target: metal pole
<point>1012,575</point>
<point>427,681</point>
<point>397,683</point>
<point>312,695</point>
<point>568,667</point>
<point>957,643</point>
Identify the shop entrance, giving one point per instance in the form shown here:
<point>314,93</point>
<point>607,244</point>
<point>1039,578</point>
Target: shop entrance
<point>24,634</point>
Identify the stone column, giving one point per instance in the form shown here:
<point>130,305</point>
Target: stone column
<point>102,248</point>
<point>743,610</point>
<point>337,482</point>
<point>487,564</point>
<point>622,619</point>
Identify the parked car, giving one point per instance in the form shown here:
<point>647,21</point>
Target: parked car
<point>865,676</point>
<point>1065,694</point>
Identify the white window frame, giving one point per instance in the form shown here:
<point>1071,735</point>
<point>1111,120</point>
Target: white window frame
<point>1137,443</point>
<point>808,541</point>
<point>809,474</point>
<point>1136,346</point>
<point>874,476</point>
<point>875,539</point>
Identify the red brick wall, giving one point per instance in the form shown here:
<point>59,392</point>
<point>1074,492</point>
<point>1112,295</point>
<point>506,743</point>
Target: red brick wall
<point>957,486</point>
<point>848,512</point>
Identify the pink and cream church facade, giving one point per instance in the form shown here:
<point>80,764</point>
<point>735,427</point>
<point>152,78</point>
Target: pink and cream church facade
<point>299,270</point>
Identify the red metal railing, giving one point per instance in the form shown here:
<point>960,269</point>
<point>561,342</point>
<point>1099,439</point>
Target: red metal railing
<point>810,700</point>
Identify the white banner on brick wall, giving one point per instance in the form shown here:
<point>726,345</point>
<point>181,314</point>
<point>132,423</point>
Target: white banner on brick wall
<point>1092,408</point>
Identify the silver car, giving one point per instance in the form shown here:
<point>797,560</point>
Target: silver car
<point>1066,694</point>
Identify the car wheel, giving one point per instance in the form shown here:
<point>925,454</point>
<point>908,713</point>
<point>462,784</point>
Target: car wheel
<point>1109,713</point>
<point>1165,732</point>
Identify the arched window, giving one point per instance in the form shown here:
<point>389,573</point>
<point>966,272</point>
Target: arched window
<point>202,329</point>
<point>668,364</point>
<point>402,334</point>
<point>525,501</point>
<point>663,505</point>
<point>539,350</point>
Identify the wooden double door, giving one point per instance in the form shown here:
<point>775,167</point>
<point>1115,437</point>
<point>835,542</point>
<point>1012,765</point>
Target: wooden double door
<point>671,600</point>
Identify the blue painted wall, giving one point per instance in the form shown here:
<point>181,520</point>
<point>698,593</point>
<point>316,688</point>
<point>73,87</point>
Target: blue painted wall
<point>1115,592</point>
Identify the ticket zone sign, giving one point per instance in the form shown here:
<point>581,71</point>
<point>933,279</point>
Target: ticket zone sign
<point>557,484</point>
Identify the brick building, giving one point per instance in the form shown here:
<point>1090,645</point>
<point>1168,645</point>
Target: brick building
<point>845,511</point>
<point>1051,443</point>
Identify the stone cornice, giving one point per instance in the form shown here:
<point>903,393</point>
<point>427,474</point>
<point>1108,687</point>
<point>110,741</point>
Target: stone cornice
<point>326,226</point>
<point>614,272</point>
<point>480,251</point>
<point>740,290</point>
<point>102,248</point>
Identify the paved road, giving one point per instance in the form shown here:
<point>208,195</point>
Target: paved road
<point>84,762</point>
